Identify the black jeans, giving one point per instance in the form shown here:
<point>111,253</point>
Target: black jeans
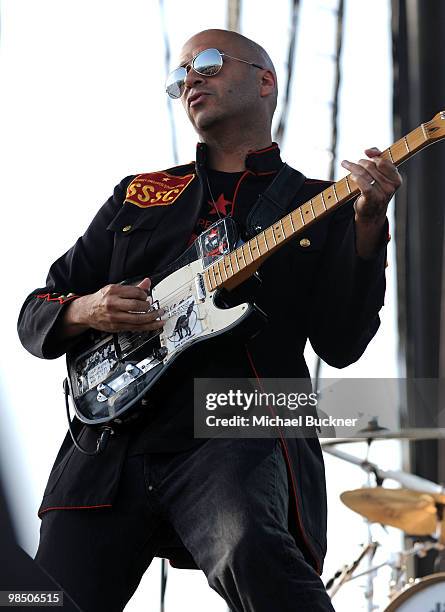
<point>228,502</point>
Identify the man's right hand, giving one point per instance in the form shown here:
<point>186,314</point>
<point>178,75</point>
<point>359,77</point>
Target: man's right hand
<point>113,308</point>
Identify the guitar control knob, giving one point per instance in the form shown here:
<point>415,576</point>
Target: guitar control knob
<point>161,353</point>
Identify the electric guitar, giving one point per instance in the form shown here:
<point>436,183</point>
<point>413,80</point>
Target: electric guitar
<point>108,373</point>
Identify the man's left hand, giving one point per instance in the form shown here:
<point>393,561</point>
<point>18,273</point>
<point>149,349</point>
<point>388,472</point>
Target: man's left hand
<point>378,179</point>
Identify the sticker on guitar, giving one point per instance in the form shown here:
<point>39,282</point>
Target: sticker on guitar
<point>182,324</point>
<point>214,242</point>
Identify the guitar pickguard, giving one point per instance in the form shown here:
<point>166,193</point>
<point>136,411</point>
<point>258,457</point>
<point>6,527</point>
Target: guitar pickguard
<point>109,373</point>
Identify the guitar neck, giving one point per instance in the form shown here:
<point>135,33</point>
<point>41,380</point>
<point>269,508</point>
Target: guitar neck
<point>239,264</point>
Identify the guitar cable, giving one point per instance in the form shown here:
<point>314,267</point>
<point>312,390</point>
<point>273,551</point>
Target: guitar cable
<point>105,430</point>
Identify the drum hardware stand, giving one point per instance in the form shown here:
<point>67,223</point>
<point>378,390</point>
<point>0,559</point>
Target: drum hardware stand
<point>397,563</point>
<point>164,574</point>
<point>346,574</point>
<point>369,591</point>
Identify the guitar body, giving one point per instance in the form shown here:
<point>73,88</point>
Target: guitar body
<point>110,373</point>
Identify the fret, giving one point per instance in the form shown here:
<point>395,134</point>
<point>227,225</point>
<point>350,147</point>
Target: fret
<point>296,219</point>
<point>255,247</point>
<point>329,192</point>
<point>406,145</point>
<point>317,205</point>
<point>248,250</point>
<point>341,190</point>
<point>227,258</point>
<point>292,223</point>
<point>246,254</point>
<point>217,269</point>
<point>335,192</point>
<point>301,215</point>
<point>218,265</point>
<point>263,234</point>
<point>398,151</point>
<point>287,229</point>
<point>323,200</point>
<point>390,154</point>
<point>234,260</point>
<point>312,208</point>
<point>273,236</point>
<point>282,228</point>
<point>413,138</point>
<point>215,282</point>
<point>277,233</point>
<point>207,280</point>
<point>307,212</point>
<point>240,257</point>
<point>222,269</point>
<point>347,183</point>
<point>425,135</point>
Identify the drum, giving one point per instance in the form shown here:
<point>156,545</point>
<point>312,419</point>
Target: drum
<point>427,594</point>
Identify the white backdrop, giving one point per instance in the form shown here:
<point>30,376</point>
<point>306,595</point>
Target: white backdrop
<point>82,105</point>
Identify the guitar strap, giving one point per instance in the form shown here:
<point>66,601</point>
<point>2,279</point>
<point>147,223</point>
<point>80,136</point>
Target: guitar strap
<point>276,200</point>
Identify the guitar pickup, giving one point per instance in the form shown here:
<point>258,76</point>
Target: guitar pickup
<point>200,287</point>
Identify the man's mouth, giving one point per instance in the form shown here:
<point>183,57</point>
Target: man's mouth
<point>196,99</point>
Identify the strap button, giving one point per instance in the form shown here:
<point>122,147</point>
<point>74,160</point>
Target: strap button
<point>127,228</point>
<point>305,242</point>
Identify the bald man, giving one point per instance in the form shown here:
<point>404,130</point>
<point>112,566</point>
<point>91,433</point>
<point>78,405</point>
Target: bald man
<point>250,513</point>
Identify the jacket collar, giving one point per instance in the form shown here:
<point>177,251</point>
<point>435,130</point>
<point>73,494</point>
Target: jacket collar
<point>263,160</point>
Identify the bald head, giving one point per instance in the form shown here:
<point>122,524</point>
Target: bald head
<point>237,45</point>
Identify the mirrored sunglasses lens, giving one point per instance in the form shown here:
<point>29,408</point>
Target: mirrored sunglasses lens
<point>174,84</point>
<point>208,62</point>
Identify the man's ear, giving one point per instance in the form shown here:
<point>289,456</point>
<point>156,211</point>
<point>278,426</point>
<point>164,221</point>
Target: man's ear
<point>268,83</point>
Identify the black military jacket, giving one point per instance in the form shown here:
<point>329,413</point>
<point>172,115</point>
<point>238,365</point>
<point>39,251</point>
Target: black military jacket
<point>318,289</point>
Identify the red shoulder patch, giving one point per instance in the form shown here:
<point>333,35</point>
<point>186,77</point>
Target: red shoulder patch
<point>156,189</point>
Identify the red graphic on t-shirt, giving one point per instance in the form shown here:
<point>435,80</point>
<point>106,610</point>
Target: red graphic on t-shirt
<point>221,205</point>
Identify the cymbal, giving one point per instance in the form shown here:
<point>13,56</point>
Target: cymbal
<point>412,511</point>
<point>414,433</point>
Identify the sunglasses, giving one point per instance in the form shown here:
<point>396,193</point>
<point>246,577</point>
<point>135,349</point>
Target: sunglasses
<point>206,63</point>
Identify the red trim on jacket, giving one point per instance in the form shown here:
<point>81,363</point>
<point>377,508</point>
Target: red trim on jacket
<point>73,508</point>
<point>56,297</point>
<point>241,178</point>
<point>273,146</point>
<point>235,193</point>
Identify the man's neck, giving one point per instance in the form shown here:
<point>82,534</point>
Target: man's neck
<point>230,155</point>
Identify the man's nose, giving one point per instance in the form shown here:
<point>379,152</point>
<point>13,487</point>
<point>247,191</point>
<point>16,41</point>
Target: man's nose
<point>192,78</point>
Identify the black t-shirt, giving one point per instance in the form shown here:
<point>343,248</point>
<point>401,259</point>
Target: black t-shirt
<point>169,422</point>
<point>219,202</point>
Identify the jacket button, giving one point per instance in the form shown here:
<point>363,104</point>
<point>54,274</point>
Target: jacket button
<point>127,228</point>
<point>305,242</point>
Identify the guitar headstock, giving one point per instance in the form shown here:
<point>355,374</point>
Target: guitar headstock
<point>435,129</point>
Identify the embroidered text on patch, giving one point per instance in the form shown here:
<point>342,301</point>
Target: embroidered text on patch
<point>156,189</point>
<point>57,297</point>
